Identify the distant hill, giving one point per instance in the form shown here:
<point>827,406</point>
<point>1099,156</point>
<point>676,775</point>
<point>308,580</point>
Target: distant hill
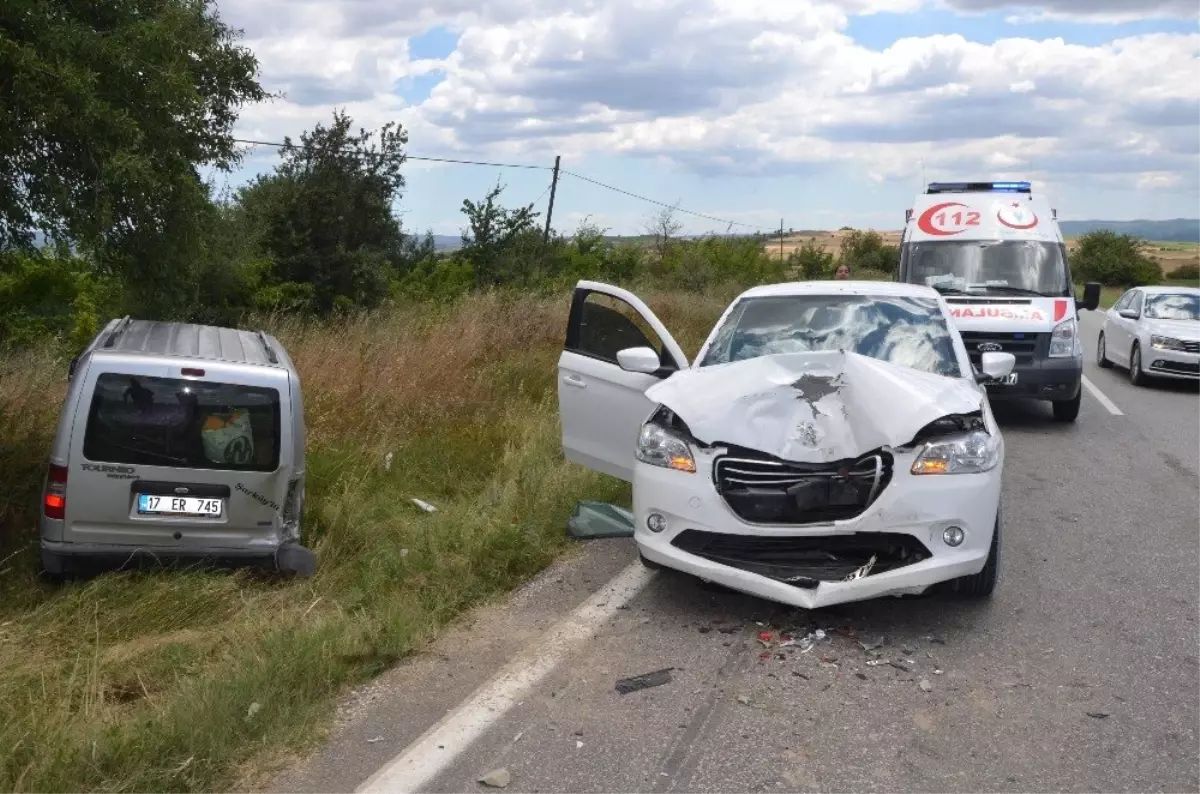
<point>1177,230</point>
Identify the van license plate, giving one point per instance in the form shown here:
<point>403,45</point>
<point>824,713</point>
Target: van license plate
<point>151,505</point>
<point>1008,380</point>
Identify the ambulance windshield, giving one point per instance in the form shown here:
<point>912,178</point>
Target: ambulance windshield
<point>1011,267</point>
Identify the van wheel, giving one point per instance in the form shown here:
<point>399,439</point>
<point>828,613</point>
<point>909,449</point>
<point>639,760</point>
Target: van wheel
<point>1068,410</point>
<point>292,558</point>
<point>52,568</point>
<point>981,585</point>
<point>1101,357</point>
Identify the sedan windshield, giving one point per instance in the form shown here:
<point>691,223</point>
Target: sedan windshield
<point>911,332</point>
<point>1176,306</point>
<point>984,267</point>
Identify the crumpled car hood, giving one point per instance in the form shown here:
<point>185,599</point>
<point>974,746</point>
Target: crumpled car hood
<point>814,407</point>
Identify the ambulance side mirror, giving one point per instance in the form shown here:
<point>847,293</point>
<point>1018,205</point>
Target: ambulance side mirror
<point>1091,297</point>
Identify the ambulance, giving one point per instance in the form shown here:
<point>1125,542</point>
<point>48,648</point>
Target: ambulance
<point>995,252</point>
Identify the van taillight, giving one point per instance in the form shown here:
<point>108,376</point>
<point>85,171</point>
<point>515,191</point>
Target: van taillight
<point>192,372</point>
<point>55,500</point>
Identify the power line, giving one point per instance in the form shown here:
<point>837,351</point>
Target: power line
<point>413,157</point>
<point>661,203</point>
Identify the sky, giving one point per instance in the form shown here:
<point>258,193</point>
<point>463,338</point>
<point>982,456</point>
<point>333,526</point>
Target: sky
<point>813,113</point>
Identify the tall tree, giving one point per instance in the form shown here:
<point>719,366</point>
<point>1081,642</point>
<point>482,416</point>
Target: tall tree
<point>107,110</point>
<point>497,240</point>
<point>324,216</point>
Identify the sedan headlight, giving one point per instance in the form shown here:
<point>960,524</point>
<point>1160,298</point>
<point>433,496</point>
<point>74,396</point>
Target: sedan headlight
<point>971,453</point>
<point>1165,343</point>
<point>1064,339</point>
<point>660,447</point>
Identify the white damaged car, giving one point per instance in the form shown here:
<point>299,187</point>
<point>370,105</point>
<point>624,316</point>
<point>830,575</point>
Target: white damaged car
<point>831,442</point>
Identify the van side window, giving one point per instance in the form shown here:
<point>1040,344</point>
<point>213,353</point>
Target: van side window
<point>149,421</point>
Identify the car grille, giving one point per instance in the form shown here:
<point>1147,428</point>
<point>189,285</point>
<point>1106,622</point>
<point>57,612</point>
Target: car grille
<point>765,490</point>
<point>1023,346</point>
<point>806,561</point>
<point>1189,347</point>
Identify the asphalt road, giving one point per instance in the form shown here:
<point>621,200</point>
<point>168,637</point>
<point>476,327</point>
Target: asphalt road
<point>1095,614</point>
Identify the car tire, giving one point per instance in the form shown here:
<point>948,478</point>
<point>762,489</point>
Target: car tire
<point>1068,410</point>
<point>981,585</point>
<point>1136,376</point>
<point>651,564</point>
<point>1101,357</point>
<point>52,567</point>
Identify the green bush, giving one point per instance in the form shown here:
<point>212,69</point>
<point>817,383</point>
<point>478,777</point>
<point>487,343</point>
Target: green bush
<point>53,294</point>
<point>866,251</point>
<point>1115,260</point>
<point>811,261</point>
<point>1185,273</point>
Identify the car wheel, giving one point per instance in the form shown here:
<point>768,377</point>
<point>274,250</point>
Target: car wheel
<point>651,564</point>
<point>1101,359</point>
<point>52,567</point>
<point>1068,410</point>
<point>981,585</point>
<point>1136,376</point>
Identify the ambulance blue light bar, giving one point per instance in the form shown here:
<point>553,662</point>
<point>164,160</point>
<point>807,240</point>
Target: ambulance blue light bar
<point>979,187</point>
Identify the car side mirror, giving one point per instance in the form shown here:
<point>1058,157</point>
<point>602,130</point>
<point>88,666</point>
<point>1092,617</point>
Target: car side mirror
<point>1091,297</point>
<point>639,359</point>
<point>1128,314</point>
<point>994,366</point>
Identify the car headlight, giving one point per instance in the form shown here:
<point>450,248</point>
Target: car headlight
<point>1165,343</point>
<point>1064,339</point>
<point>972,453</point>
<point>660,447</point>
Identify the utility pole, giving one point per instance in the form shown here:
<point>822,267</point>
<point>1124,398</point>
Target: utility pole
<point>550,208</point>
<point>781,239</point>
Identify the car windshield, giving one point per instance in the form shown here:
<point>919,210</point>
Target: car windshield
<point>1173,306</point>
<point>902,330</point>
<point>987,267</point>
<point>148,421</point>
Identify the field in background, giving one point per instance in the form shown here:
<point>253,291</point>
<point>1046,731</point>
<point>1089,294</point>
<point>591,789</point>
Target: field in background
<point>1169,255</point>
<point>201,681</point>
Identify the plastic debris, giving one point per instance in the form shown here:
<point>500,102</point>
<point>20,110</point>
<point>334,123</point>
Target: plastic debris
<point>925,685</point>
<point>428,508</point>
<point>254,709</point>
<point>938,671</point>
<point>871,643</point>
<point>578,745</point>
<point>877,662</point>
<point>901,666</point>
<point>599,520</point>
<point>374,739</point>
<point>765,637</point>
<point>644,681</point>
<point>743,699</point>
<point>497,778</point>
<point>387,462</point>
<point>934,640</point>
<point>861,676</point>
<point>1099,715</point>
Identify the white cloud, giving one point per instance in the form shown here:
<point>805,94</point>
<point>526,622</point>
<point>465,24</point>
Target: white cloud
<point>740,86</point>
<point>1157,180</point>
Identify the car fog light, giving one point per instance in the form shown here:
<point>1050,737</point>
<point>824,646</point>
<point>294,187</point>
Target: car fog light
<point>656,522</point>
<point>953,536</point>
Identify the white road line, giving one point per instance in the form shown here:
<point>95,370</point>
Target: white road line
<point>1099,395</point>
<point>426,757</point>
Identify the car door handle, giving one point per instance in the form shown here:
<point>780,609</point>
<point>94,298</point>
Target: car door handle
<point>574,380</point>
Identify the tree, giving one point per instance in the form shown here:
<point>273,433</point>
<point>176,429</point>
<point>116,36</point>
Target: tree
<point>494,236</point>
<point>866,251</point>
<point>324,216</point>
<point>1113,259</point>
<point>109,107</point>
<point>663,226</point>
<point>811,260</point>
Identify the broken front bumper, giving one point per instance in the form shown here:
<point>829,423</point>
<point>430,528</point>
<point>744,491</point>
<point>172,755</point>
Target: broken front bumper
<point>704,537</point>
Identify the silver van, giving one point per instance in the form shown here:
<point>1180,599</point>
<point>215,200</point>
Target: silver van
<point>177,441</point>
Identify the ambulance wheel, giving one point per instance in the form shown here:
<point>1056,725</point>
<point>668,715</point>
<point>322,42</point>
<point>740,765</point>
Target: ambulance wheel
<point>1101,357</point>
<point>1068,410</point>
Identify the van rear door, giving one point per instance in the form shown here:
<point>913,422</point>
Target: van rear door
<point>182,458</point>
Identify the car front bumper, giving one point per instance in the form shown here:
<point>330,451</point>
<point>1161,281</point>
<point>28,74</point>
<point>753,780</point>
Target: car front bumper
<point>1171,363</point>
<point>1051,379</point>
<point>920,506</point>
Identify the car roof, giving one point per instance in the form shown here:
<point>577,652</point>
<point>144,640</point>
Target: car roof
<point>188,340</point>
<point>890,289</point>
<point>1170,290</point>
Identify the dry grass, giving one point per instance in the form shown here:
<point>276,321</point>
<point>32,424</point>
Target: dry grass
<point>147,681</point>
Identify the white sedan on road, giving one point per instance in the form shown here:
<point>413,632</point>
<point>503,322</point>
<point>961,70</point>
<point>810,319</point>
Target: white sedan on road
<point>831,442</point>
<point>1153,331</point>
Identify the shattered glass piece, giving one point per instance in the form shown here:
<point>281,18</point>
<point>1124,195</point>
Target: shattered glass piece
<point>600,520</point>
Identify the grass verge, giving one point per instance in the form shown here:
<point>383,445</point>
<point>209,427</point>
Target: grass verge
<point>201,681</point>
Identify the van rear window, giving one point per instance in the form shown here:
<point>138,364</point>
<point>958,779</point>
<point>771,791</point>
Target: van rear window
<point>187,424</point>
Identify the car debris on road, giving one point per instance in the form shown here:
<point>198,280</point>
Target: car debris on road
<point>644,681</point>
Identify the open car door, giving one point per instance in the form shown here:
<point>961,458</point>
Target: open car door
<point>602,405</point>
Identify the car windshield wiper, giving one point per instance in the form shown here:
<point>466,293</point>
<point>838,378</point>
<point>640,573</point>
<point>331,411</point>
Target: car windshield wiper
<point>951,291</point>
<point>1010,290</point>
